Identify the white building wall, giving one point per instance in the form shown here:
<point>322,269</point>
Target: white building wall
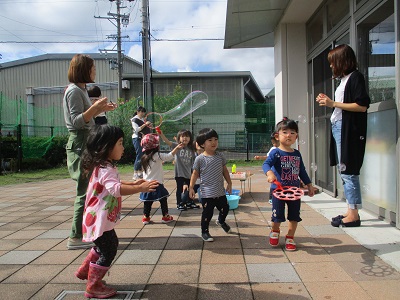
<point>291,96</point>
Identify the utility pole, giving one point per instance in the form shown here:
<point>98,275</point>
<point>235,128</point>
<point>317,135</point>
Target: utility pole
<point>124,19</point>
<point>146,65</point>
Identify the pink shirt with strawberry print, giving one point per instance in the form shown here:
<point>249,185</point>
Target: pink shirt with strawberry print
<point>103,203</point>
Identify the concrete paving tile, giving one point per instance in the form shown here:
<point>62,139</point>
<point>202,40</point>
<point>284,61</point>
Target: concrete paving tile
<point>7,270</point>
<point>336,240</point>
<point>127,233</point>
<point>378,291</point>
<point>184,243</point>
<point>180,257</point>
<point>232,273</point>
<point>230,241</point>
<point>225,291</point>
<point>264,256</point>
<point>186,232</point>
<point>19,257</point>
<point>321,271</point>
<point>57,218</point>
<point>4,233</point>
<point>253,231</point>
<point>24,234</point>
<point>171,291</point>
<point>146,243</point>
<point>14,226</point>
<point>37,274</point>
<point>174,274</point>
<point>323,230</point>
<point>54,234</point>
<point>336,290</point>
<point>43,226</point>
<point>308,254</point>
<point>150,232</point>
<point>280,272</point>
<point>138,257</point>
<point>66,275</point>
<point>129,275</point>
<point>256,242</point>
<point>63,257</point>
<point>280,291</point>
<point>14,291</point>
<point>350,253</point>
<point>56,208</point>
<point>369,270</point>
<point>38,244</point>
<point>222,256</point>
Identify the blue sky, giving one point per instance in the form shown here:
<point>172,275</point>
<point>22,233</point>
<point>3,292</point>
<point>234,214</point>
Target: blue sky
<point>35,27</point>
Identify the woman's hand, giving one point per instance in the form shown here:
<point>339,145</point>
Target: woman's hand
<point>324,100</point>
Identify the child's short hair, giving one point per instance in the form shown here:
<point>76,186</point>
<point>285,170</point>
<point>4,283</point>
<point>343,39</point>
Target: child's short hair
<point>94,91</point>
<point>273,136</point>
<point>287,123</point>
<point>204,135</point>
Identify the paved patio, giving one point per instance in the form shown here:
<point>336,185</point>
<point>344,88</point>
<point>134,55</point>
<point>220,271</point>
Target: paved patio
<point>170,261</point>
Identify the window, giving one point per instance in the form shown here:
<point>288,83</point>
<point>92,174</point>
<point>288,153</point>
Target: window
<point>376,52</point>
<point>336,11</point>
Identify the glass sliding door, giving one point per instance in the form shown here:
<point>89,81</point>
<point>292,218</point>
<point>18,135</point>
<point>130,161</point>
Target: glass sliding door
<point>322,83</point>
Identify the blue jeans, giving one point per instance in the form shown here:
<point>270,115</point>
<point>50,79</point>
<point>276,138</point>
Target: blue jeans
<point>138,149</point>
<point>351,183</point>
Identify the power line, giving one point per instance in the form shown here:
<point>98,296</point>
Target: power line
<point>107,41</point>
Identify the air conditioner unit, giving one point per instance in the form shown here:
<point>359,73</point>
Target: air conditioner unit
<point>126,84</point>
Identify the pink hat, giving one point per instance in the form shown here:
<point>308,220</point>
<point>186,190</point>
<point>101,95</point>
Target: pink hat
<point>150,141</point>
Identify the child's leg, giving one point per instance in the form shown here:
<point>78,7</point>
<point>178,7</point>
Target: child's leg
<point>293,216</point>
<point>223,207</point>
<point>292,228</point>
<point>147,208</point>
<point>107,246</point>
<point>164,206</point>
<point>207,214</point>
<point>180,181</point>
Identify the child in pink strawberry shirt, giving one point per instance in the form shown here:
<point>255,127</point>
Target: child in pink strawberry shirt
<point>103,205</point>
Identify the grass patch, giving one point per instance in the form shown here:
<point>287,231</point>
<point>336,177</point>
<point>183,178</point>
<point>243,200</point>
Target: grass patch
<point>62,172</point>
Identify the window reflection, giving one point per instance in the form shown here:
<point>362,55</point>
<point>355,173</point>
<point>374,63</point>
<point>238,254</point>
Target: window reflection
<point>376,53</point>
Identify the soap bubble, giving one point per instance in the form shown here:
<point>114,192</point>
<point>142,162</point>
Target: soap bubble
<point>302,142</point>
<point>302,119</point>
<point>362,138</point>
<point>342,167</point>
<point>314,167</point>
<point>188,105</point>
<point>316,136</point>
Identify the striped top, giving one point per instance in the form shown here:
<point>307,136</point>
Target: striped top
<point>211,174</point>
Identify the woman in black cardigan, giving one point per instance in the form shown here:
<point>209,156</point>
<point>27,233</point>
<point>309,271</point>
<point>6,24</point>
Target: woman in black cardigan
<point>349,128</point>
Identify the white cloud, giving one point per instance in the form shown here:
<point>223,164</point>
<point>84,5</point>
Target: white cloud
<point>62,20</point>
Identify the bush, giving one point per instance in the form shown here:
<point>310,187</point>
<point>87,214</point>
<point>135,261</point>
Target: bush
<point>29,164</point>
<point>55,153</point>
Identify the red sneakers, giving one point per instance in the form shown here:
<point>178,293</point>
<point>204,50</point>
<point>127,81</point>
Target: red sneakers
<point>274,238</point>
<point>167,219</point>
<point>146,220</point>
<point>290,245</point>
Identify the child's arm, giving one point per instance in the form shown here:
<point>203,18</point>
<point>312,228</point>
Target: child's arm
<point>228,180</point>
<point>193,179</point>
<point>164,138</point>
<point>179,146</point>
<point>145,186</point>
<point>258,157</point>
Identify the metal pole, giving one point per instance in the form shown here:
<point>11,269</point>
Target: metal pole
<point>119,51</point>
<point>147,99</point>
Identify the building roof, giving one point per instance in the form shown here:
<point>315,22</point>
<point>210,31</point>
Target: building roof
<point>251,23</point>
<point>61,56</point>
